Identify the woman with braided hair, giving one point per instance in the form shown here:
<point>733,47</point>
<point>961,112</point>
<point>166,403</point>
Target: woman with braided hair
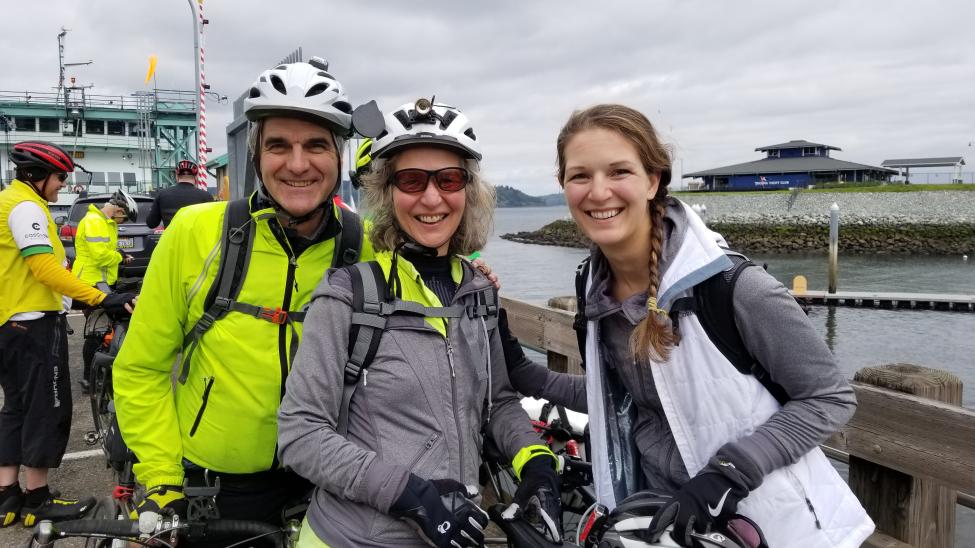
<point>668,410</point>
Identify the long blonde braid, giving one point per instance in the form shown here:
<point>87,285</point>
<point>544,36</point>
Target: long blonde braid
<point>653,336</point>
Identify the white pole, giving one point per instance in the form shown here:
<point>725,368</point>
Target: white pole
<point>196,7</point>
<point>834,234</point>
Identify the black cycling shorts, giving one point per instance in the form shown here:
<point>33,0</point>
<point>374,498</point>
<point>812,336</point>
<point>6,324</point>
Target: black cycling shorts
<point>36,417</point>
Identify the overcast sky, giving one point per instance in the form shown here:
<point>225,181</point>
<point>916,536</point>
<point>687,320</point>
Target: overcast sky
<point>879,79</point>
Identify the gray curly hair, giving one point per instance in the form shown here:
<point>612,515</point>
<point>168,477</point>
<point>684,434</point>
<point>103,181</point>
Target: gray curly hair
<point>475,225</point>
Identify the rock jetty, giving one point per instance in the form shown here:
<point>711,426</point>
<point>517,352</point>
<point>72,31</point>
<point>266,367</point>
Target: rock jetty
<point>915,223</point>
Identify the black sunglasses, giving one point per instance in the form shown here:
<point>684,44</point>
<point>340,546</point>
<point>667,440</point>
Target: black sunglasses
<point>415,180</point>
<point>62,176</point>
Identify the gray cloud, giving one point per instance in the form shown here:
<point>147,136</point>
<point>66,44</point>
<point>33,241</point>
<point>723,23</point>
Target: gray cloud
<point>879,79</point>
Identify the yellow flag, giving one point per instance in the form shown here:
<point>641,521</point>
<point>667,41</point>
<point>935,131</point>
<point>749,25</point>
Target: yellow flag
<point>152,67</point>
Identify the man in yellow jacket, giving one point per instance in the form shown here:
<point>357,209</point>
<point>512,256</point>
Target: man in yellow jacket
<point>36,417</point>
<point>96,243</point>
<point>97,257</point>
<point>220,419</point>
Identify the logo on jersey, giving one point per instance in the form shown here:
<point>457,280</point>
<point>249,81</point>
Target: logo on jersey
<point>36,226</point>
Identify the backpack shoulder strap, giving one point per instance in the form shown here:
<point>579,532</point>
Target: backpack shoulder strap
<point>348,248</point>
<point>579,322</point>
<point>236,242</point>
<point>368,323</point>
<point>715,306</point>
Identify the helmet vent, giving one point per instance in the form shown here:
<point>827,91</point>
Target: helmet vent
<point>281,67</point>
<point>317,89</point>
<point>470,133</point>
<point>255,93</point>
<point>447,118</point>
<point>343,106</point>
<point>324,74</point>
<point>381,135</point>
<point>278,84</point>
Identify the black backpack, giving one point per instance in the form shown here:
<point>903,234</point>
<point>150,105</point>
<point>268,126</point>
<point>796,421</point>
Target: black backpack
<point>236,243</point>
<point>713,303</point>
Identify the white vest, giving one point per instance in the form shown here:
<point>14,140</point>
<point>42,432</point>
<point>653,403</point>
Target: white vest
<point>708,403</point>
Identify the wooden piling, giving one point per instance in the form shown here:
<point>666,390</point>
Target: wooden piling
<point>918,512</point>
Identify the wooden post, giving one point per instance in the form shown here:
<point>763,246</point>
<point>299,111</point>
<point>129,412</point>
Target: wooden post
<point>918,512</point>
<point>834,238</point>
<point>559,362</point>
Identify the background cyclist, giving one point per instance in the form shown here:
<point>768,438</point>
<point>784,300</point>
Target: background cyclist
<point>170,200</point>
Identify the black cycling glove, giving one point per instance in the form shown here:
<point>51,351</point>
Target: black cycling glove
<point>114,303</point>
<point>442,512</point>
<point>538,495</point>
<point>706,499</point>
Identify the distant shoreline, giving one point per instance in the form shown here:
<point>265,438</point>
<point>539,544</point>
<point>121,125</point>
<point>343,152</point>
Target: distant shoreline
<point>879,239</point>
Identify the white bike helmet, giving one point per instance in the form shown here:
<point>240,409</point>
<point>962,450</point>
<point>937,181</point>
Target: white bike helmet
<point>427,123</point>
<point>305,89</point>
<point>124,200</point>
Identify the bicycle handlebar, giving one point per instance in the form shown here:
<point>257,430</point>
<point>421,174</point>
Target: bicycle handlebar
<point>46,532</point>
<point>522,534</point>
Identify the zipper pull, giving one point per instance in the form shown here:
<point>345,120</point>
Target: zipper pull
<point>450,359</point>
<point>365,377</point>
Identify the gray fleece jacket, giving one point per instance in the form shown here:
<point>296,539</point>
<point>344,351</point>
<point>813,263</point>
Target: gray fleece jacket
<point>419,408</point>
<point>773,328</point>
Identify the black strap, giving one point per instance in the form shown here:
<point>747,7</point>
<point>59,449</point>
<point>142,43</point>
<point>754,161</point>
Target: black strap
<point>579,322</point>
<point>716,311</point>
<point>236,243</point>
<point>368,323</point>
<point>349,244</point>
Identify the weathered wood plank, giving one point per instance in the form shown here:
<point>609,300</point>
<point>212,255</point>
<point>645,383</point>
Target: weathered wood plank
<point>542,328</point>
<point>914,435</point>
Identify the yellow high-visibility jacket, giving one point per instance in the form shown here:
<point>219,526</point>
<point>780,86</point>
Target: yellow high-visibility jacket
<point>96,248</point>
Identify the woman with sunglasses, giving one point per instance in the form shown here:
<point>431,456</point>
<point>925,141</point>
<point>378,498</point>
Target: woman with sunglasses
<point>394,449</point>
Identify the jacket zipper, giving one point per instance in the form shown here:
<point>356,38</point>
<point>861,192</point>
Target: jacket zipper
<point>453,402</point>
<point>427,446</point>
<point>802,493</point>
<point>286,303</point>
<point>203,405</point>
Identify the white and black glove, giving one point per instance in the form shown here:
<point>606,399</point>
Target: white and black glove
<point>442,511</point>
<point>706,500</point>
<point>538,498</point>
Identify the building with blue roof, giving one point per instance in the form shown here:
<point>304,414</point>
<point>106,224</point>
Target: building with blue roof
<point>795,164</point>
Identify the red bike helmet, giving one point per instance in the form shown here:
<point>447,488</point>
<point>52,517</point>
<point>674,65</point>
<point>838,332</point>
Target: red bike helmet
<point>42,154</point>
<point>186,166</point>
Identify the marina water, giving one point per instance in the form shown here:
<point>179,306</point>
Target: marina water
<point>859,337</point>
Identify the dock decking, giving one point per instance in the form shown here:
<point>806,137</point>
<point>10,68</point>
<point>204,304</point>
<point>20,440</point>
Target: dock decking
<point>869,299</point>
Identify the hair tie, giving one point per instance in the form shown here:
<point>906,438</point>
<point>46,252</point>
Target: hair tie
<point>652,306</point>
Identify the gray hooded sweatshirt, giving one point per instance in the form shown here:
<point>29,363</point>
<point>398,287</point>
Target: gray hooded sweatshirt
<point>772,327</point>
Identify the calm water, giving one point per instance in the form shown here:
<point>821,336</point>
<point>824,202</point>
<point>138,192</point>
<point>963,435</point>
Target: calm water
<point>858,337</point>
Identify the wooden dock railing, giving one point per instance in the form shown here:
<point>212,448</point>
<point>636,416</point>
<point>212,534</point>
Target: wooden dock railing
<point>911,457</point>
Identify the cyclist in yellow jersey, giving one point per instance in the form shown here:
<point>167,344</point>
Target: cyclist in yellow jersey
<point>219,420</point>
<point>36,415</point>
